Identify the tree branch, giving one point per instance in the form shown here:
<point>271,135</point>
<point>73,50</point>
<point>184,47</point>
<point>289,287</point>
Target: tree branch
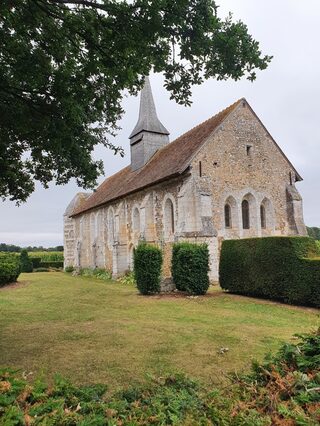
<point>87,3</point>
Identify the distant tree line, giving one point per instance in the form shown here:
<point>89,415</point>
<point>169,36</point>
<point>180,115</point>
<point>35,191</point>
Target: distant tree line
<point>16,249</point>
<point>314,232</point>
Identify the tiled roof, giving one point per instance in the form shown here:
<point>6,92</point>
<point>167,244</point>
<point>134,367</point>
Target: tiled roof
<point>171,160</point>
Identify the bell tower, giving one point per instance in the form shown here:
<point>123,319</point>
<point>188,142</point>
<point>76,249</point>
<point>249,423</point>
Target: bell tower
<point>149,134</point>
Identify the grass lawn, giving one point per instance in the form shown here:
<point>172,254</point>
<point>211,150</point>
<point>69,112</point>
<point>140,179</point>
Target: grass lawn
<point>96,331</point>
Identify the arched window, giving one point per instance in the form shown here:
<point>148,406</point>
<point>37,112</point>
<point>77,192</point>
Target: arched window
<point>136,220</point>
<point>245,214</point>
<point>168,217</point>
<point>227,216</point>
<point>263,217</point>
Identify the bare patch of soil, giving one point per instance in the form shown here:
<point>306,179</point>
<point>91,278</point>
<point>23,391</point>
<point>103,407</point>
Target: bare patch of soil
<point>182,295</point>
<point>11,286</point>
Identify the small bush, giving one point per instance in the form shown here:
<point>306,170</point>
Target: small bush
<point>128,278</point>
<point>10,268</point>
<point>147,260</point>
<point>190,267</point>
<point>26,263</point>
<point>280,268</point>
<point>69,269</point>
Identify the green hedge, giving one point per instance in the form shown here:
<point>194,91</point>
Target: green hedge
<point>35,261</point>
<point>190,267</point>
<point>280,268</point>
<point>147,260</point>
<point>9,268</point>
<point>51,264</point>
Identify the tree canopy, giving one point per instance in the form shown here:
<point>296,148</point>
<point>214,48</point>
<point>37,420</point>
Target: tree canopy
<point>66,64</point>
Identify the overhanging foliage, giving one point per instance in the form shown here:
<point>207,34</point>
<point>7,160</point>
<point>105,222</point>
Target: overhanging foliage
<point>65,66</point>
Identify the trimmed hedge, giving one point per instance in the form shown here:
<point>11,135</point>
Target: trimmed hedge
<point>35,261</point>
<point>147,261</point>
<point>280,268</point>
<point>9,268</point>
<point>51,264</point>
<point>26,263</point>
<point>190,267</point>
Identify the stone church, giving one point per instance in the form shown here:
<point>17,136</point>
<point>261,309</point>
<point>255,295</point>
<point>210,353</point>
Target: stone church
<point>225,178</point>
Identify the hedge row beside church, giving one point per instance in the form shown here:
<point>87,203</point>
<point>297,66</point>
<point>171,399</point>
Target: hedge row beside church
<point>147,261</point>
<point>280,268</point>
<point>51,264</point>
<point>9,268</point>
<point>190,267</point>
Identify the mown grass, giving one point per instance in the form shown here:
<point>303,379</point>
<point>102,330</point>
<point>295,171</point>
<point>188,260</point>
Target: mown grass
<point>95,331</point>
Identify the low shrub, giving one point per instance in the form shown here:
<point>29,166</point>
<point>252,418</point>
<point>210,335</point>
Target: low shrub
<point>280,268</point>
<point>101,274</point>
<point>26,263</point>
<point>10,268</point>
<point>284,387</point>
<point>147,260</point>
<point>190,267</point>
<point>69,269</point>
<point>128,279</point>
<point>52,264</point>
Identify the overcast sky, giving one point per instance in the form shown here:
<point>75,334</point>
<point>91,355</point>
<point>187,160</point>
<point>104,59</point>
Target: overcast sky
<point>285,97</point>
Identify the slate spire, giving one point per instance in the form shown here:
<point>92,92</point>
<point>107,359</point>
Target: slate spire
<point>149,134</point>
<point>148,120</point>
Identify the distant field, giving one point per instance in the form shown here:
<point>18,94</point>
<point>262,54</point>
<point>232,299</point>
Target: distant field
<point>97,331</point>
<point>48,256</point>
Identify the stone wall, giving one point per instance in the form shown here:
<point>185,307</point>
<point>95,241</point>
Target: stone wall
<point>241,161</point>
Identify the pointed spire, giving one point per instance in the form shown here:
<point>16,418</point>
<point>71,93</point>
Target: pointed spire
<point>148,120</point>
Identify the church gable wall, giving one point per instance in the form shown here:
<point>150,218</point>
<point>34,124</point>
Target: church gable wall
<point>243,163</point>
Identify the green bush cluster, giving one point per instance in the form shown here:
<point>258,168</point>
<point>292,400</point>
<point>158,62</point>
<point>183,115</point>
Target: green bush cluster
<point>26,263</point>
<point>9,268</point>
<point>190,267</point>
<point>280,268</point>
<point>147,261</point>
<point>69,269</point>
